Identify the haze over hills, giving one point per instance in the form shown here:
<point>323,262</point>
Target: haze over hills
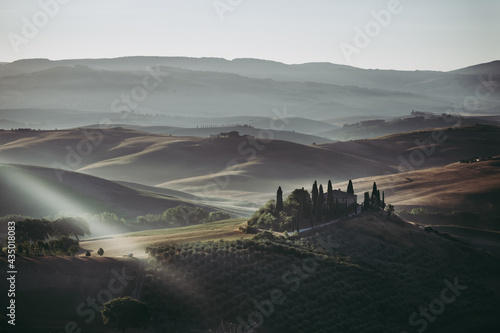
<point>207,132</point>
<point>211,87</point>
<point>371,128</point>
<point>228,194</point>
<point>184,92</point>
<point>257,68</point>
<point>38,192</point>
<point>492,68</point>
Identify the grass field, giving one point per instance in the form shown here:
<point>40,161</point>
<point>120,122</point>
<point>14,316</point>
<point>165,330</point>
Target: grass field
<point>137,242</point>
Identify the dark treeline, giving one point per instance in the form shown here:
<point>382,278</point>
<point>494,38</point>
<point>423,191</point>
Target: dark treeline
<point>302,209</point>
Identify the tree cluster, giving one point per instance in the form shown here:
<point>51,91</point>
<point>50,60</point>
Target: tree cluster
<point>302,208</point>
<point>375,201</point>
<point>126,312</point>
<point>39,237</point>
<point>280,215</point>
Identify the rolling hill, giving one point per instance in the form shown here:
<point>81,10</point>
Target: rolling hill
<point>256,68</point>
<point>371,128</point>
<point>37,192</point>
<point>240,168</point>
<point>471,187</point>
<point>211,87</point>
<point>205,131</point>
<point>201,93</point>
<point>135,136</point>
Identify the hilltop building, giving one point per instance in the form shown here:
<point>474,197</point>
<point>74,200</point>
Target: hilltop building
<point>343,197</point>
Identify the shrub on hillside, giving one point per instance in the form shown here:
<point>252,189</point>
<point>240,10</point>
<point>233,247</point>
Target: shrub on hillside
<point>63,246</point>
<point>126,312</point>
<point>268,217</point>
<point>419,211</point>
<point>217,216</point>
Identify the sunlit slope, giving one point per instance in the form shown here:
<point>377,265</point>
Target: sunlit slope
<point>128,155</point>
<point>425,148</point>
<point>241,166</point>
<point>36,191</point>
<point>468,187</point>
<point>47,147</point>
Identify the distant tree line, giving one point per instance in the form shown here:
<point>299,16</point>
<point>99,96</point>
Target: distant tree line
<point>181,216</point>
<point>109,219</point>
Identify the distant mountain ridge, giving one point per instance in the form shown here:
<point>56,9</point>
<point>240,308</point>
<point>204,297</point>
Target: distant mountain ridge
<point>216,87</point>
<point>320,72</point>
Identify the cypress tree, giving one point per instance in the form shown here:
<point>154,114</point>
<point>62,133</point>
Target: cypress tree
<point>279,199</point>
<point>329,201</point>
<point>383,199</point>
<point>350,188</point>
<point>319,207</point>
<point>314,194</point>
<point>374,191</point>
<point>366,203</point>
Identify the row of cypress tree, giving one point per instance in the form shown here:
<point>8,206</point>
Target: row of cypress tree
<point>375,201</point>
<point>315,207</point>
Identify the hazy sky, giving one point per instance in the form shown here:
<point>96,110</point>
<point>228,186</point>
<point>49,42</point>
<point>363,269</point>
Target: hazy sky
<point>420,34</point>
